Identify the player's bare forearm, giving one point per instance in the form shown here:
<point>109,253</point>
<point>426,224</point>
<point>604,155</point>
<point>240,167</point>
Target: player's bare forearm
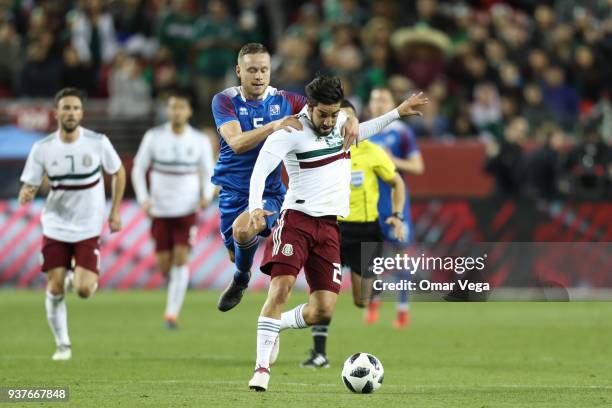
<point>242,142</point>
<point>350,130</point>
<point>27,193</point>
<point>117,188</point>
<point>413,165</point>
<point>398,193</point>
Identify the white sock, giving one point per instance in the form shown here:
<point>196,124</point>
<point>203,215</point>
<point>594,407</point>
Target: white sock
<point>177,286</point>
<point>267,332</point>
<point>293,319</point>
<point>57,316</point>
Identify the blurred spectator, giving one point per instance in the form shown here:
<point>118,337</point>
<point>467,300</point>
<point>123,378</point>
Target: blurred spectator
<point>341,55</point>
<point>132,18</point>
<point>560,97</point>
<point>533,109</point>
<point>345,12</point>
<point>428,12</point>
<point>308,25</point>
<point>93,34</point>
<point>130,93</point>
<point>505,159</point>
<point>40,76</point>
<point>251,22</point>
<point>10,58</point>
<point>217,44</point>
<point>485,111</point>
<point>590,163</point>
<point>542,168</point>
<point>74,73</point>
<point>177,30</point>
<point>588,74</point>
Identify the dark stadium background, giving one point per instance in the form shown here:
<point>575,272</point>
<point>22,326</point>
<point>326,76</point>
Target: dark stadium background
<point>516,137</point>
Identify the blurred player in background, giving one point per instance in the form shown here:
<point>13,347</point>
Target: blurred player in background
<point>245,116</point>
<point>72,159</point>
<point>307,233</point>
<point>369,162</point>
<point>400,143</point>
<point>181,162</point>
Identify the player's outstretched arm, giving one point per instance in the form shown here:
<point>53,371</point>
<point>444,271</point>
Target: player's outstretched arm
<point>118,188</point>
<point>350,129</point>
<point>241,142</point>
<point>27,193</point>
<point>265,164</point>
<point>142,162</point>
<point>406,108</point>
<point>398,199</point>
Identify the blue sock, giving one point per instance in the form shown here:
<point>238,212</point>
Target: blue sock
<point>403,295</point>
<point>243,255</point>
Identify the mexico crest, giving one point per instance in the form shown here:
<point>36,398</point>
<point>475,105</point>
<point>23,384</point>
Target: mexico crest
<point>288,250</point>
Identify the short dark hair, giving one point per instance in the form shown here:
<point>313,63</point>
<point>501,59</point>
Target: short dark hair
<point>180,94</point>
<point>68,92</point>
<point>252,48</point>
<point>324,89</point>
<point>347,104</point>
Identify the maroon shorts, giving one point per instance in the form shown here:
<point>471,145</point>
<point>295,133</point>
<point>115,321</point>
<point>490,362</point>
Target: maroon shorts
<point>58,254</point>
<point>171,231</point>
<point>299,240</point>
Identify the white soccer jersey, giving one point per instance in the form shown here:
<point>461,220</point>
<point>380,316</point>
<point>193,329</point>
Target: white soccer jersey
<point>318,167</point>
<point>181,167</point>
<point>74,210</point>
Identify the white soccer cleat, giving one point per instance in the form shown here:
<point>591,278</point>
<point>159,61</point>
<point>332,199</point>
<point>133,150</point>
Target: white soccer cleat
<point>260,379</point>
<point>69,281</point>
<point>62,353</point>
<point>275,350</point>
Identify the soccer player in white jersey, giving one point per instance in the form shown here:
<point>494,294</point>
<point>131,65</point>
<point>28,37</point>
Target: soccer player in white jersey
<point>72,159</point>
<point>181,162</point>
<point>307,233</point>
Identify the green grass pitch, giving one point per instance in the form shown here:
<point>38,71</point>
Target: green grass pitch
<point>453,355</point>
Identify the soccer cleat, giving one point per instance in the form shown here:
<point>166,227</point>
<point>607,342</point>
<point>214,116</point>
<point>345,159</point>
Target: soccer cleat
<point>275,350</point>
<point>402,319</point>
<point>371,316</point>
<point>260,379</point>
<point>62,353</point>
<point>316,360</point>
<point>69,282</point>
<point>231,296</point>
<point>170,323</point>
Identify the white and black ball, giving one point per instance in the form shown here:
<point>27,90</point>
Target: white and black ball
<point>362,373</point>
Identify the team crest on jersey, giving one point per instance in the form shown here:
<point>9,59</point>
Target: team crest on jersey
<point>87,160</point>
<point>274,109</point>
<point>288,250</point>
<point>243,111</point>
<point>334,139</point>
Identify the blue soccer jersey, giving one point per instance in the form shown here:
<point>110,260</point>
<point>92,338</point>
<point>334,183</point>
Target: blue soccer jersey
<point>400,140</point>
<point>233,171</point>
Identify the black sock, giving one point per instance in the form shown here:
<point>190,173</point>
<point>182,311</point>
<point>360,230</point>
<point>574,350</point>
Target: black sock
<point>319,335</point>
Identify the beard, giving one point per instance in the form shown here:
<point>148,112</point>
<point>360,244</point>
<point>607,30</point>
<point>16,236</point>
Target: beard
<point>70,127</point>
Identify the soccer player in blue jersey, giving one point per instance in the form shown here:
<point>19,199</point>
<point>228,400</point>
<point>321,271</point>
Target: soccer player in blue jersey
<point>245,116</point>
<point>400,142</point>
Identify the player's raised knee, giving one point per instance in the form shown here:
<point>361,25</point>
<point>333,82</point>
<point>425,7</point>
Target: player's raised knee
<point>84,291</point>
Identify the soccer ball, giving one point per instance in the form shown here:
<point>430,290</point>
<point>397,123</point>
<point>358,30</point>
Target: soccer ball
<point>362,373</point>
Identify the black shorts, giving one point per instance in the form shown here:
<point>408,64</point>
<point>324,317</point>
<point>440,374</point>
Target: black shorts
<point>352,235</point>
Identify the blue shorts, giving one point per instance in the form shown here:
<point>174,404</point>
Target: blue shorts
<point>232,204</point>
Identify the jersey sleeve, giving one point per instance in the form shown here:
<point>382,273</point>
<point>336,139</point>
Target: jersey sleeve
<point>280,143</point>
<point>142,162</point>
<point>34,170</point>
<point>111,163</point>
<point>296,101</point>
<point>223,110</point>
<point>382,165</point>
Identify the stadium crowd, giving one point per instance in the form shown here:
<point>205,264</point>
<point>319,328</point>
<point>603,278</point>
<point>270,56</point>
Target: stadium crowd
<point>514,73</point>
